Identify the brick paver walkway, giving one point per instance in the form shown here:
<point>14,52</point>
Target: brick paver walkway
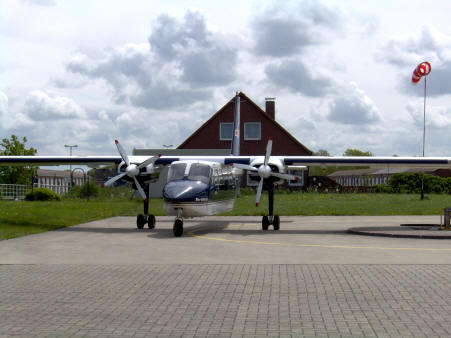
<point>225,300</point>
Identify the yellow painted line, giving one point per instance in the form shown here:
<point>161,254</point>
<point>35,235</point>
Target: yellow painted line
<point>191,233</point>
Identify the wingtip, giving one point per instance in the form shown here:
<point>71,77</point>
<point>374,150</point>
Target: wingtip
<point>270,138</point>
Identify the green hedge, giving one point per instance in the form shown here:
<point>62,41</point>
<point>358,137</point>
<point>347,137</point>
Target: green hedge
<point>411,183</point>
<point>42,194</point>
<point>83,191</point>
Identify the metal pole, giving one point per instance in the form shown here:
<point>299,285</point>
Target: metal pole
<point>424,135</point>
<point>70,165</point>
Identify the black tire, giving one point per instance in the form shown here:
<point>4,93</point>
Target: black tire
<point>178,228</point>
<point>276,222</point>
<point>140,221</point>
<point>265,223</point>
<point>151,221</point>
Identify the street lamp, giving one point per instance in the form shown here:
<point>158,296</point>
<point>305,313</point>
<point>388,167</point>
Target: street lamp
<point>70,165</point>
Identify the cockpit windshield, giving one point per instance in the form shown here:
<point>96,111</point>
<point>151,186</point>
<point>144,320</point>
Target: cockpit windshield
<point>199,172</point>
<point>176,171</point>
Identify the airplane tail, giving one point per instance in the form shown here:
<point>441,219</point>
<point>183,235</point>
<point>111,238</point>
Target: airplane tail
<point>235,149</point>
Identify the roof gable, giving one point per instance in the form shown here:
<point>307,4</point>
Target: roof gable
<point>260,111</point>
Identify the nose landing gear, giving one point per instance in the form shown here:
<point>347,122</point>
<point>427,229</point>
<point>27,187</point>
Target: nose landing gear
<point>177,229</point>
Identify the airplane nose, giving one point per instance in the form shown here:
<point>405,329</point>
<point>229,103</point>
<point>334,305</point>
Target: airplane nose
<point>184,191</point>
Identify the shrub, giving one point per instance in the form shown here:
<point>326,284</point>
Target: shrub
<point>411,183</point>
<point>42,194</point>
<point>83,191</point>
<point>381,188</point>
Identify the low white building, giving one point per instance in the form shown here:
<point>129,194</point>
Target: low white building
<point>57,180</point>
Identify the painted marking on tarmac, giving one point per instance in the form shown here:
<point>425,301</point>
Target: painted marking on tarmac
<point>191,233</point>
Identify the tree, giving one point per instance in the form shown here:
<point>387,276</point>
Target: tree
<point>321,152</point>
<point>357,152</point>
<point>16,174</point>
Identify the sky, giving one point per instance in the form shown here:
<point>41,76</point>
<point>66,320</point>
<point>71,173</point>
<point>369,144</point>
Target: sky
<point>150,73</point>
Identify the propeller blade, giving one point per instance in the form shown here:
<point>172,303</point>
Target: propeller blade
<point>149,161</point>
<point>259,192</point>
<point>122,152</point>
<point>114,179</point>
<point>244,166</point>
<point>268,151</point>
<point>138,186</point>
<point>286,176</point>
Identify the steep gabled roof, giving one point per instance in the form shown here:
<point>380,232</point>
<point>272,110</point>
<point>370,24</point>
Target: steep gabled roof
<point>258,109</point>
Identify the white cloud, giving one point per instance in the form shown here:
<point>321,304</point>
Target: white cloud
<point>40,2</point>
<point>437,117</point>
<point>3,104</point>
<point>41,106</point>
<point>184,59</point>
<point>287,28</point>
<point>298,78</point>
<point>353,107</point>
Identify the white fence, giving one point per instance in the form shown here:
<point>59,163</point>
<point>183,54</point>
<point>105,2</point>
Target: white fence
<point>18,191</point>
<point>13,191</point>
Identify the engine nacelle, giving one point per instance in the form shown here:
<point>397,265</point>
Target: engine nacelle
<point>276,166</point>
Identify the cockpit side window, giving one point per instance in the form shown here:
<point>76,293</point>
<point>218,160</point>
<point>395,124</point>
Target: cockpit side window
<point>199,172</point>
<point>176,171</point>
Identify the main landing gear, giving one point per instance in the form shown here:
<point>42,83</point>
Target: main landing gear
<point>141,220</point>
<point>271,219</point>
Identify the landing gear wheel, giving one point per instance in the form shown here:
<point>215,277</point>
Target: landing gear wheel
<point>265,223</point>
<point>276,222</point>
<point>178,228</point>
<point>140,221</point>
<point>151,221</point>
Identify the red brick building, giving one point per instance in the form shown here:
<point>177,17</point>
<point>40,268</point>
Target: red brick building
<point>257,126</point>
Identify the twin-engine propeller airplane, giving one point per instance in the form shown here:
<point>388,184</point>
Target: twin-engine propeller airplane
<point>207,185</point>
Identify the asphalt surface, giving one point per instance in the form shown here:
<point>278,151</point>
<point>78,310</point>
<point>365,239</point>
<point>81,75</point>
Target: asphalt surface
<point>226,277</point>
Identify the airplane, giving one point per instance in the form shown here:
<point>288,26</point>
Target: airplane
<point>207,185</point>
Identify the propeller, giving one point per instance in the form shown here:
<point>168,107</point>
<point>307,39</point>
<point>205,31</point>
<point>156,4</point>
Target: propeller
<point>265,171</point>
<point>132,170</point>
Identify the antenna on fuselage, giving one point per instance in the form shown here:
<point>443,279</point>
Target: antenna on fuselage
<point>235,150</point>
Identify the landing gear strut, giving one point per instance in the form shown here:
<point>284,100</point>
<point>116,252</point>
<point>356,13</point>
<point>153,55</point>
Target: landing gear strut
<point>177,229</point>
<point>141,220</point>
<point>271,219</point>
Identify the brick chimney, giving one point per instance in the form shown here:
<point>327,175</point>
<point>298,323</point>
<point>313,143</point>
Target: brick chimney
<point>271,106</point>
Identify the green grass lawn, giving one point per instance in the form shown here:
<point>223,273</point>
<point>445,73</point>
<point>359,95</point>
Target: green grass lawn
<point>22,218</point>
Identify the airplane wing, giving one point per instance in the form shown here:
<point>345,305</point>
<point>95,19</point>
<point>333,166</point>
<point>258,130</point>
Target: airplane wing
<point>58,160</point>
<point>371,161</point>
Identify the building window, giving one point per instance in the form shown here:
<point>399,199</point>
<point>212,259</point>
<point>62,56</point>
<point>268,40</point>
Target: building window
<point>252,179</point>
<point>225,131</point>
<point>300,174</point>
<point>252,131</point>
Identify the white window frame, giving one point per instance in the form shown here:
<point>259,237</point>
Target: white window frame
<point>221,138</point>
<point>251,138</point>
<point>298,183</point>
